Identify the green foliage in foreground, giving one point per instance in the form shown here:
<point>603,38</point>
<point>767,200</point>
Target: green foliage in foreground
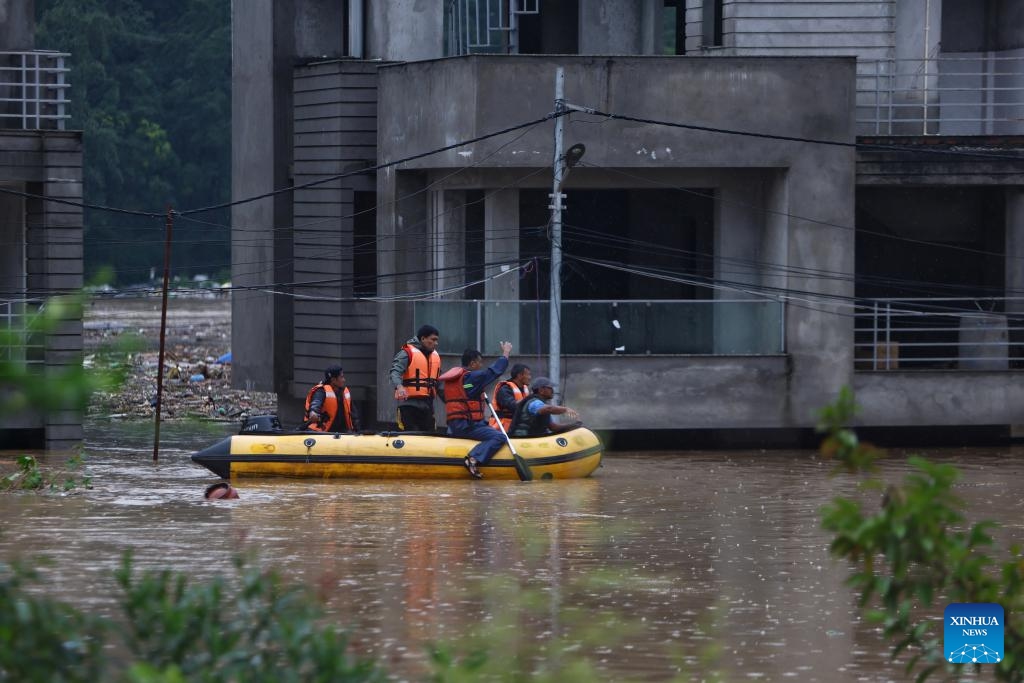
<point>916,554</point>
<point>36,387</point>
<point>31,477</point>
<point>32,385</point>
<point>254,628</point>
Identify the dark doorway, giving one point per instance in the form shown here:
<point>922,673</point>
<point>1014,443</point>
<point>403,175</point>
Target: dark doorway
<point>364,237</point>
<point>554,30</point>
<point>666,231</point>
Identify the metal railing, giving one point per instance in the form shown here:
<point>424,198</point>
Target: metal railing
<point>33,90</point>
<point>940,334</point>
<point>963,95</point>
<point>629,328</point>
<point>484,25</point>
<point>17,344</point>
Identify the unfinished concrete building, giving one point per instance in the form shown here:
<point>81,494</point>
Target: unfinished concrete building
<point>41,252</point>
<point>789,197</point>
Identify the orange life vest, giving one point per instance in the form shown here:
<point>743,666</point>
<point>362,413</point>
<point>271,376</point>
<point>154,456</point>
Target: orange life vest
<point>504,413</point>
<point>457,405</point>
<point>420,378</point>
<point>329,409</point>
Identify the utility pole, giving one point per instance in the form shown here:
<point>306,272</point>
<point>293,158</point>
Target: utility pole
<point>163,332</point>
<point>555,328</point>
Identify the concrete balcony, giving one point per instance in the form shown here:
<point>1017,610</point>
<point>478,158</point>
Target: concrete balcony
<point>430,104</point>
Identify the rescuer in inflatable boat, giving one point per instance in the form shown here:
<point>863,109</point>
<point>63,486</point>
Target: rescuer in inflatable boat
<point>464,406</point>
<point>414,373</point>
<point>509,393</point>
<point>329,404</point>
<point>533,414</point>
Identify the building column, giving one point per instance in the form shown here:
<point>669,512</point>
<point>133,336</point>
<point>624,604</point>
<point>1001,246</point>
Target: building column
<point>501,243</point>
<point>403,264</point>
<point>1014,278</point>
<point>820,329</point>
<point>611,27</point>
<point>738,228</point>
<point>446,240</point>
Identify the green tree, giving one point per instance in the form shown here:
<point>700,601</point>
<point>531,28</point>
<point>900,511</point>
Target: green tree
<point>150,89</point>
<point>917,552</point>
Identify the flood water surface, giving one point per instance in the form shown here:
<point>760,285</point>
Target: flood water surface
<point>660,565</point>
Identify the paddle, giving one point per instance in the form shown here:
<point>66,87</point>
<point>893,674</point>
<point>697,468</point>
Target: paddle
<point>522,469</point>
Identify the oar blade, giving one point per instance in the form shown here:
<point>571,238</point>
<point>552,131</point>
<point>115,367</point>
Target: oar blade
<point>522,468</point>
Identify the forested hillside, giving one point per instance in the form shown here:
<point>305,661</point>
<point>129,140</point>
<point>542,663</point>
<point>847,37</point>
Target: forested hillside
<point>150,88</point>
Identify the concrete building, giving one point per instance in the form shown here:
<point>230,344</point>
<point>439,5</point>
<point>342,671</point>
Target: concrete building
<point>42,241</point>
<point>788,197</point>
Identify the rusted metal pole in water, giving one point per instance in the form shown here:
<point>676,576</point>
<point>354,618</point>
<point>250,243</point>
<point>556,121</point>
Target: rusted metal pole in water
<point>163,331</point>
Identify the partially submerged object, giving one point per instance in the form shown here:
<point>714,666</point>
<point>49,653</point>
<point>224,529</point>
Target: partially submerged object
<point>263,449</point>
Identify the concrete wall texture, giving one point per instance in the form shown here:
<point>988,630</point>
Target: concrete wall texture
<point>780,67</point>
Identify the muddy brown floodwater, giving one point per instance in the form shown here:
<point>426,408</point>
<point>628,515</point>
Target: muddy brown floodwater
<point>641,569</point>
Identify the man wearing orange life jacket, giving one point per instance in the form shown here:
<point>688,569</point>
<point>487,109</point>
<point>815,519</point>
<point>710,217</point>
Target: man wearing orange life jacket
<point>329,404</point>
<point>414,373</point>
<point>464,405</point>
<point>509,393</point>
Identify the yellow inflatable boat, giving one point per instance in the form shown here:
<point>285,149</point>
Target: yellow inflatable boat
<point>263,450</point>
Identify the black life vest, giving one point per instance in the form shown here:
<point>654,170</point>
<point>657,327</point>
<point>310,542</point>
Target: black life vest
<point>524,424</point>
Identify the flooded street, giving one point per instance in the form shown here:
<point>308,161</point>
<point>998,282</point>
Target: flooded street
<point>641,568</point>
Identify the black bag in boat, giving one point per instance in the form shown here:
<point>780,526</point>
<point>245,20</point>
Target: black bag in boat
<point>257,424</point>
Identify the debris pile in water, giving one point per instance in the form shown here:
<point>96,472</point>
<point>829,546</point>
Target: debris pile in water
<point>195,384</point>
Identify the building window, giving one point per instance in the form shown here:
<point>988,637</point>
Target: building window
<point>673,27</point>
<point>712,23</point>
<point>553,30</point>
<point>981,25</point>
<point>364,236</point>
<point>498,26</point>
<point>474,253</point>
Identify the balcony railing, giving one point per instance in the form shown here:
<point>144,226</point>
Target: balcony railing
<point>963,95</point>
<point>17,344</point>
<point>630,328</point>
<point>940,334</point>
<point>33,90</point>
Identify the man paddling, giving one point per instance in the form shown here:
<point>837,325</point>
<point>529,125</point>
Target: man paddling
<point>464,406</point>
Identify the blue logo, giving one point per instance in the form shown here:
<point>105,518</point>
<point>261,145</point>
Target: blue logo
<point>973,633</point>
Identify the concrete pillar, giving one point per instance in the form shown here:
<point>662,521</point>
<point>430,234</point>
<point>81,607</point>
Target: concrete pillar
<point>447,240</point>
<point>404,30</point>
<point>918,37</point>
<point>1015,280</point>
<point>18,26</point>
<point>738,231</point>
<point>261,130</point>
<point>501,243</point>
<point>320,30</point>
<point>403,234</point>
<point>650,26</point>
<point>611,27</point>
<point>1015,265</point>
<point>820,332</point>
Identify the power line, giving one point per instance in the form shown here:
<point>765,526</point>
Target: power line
<point>793,138</point>
<point>378,167</point>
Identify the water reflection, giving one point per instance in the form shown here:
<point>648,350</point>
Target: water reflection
<point>642,568</point>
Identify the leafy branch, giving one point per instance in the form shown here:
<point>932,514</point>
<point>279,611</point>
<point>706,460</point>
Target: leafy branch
<point>915,551</point>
